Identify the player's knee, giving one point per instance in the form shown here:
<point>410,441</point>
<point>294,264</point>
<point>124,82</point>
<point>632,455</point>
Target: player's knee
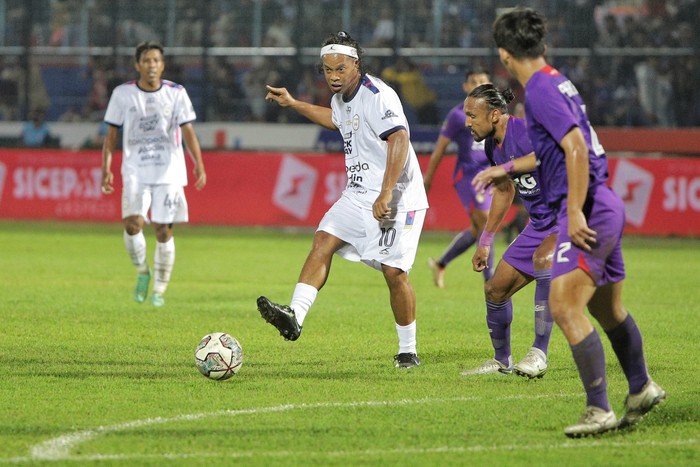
<point>163,232</point>
<point>132,226</point>
<point>494,294</point>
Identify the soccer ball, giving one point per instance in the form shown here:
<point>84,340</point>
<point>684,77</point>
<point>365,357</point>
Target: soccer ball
<point>218,356</point>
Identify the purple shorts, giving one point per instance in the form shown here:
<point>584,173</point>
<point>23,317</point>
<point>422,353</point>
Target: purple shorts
<point>519,253</point>
<point>605,213</point>
<point>469,197</point>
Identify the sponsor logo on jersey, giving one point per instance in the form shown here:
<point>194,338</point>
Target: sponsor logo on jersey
<point>634,185</point>
<point>295,186</point>
<point>148,124</point>
<point>389,114</point>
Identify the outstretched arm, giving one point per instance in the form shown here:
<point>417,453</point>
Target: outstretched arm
<point>315,113</point>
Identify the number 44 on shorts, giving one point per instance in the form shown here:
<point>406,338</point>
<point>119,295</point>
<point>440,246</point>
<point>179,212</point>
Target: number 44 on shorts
<point>175,201</point>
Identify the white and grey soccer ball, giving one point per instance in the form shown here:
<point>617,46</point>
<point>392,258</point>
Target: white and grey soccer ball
<point>218,356</point>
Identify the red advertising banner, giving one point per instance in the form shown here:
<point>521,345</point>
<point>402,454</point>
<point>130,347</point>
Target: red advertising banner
<point>662,195</point>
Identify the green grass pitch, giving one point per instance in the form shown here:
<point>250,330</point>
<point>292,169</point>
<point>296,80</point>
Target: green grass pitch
<point>89,377</point>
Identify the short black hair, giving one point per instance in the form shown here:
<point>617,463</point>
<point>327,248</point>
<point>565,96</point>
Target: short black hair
<point>146,46</point>
<point>342,37</point>
<point>521,32</point>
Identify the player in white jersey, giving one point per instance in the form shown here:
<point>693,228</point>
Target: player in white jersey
<point>379,217</point>
<point>154,115</point>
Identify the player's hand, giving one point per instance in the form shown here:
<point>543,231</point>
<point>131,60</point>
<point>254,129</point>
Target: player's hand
<point>107,182</point>
<point>579,232</point>
<point>486,178</point>
<point>279,95</point>
<point>380,208</point>
<point>200,177</point>
<point>480,258</point>
<point>427,183</point>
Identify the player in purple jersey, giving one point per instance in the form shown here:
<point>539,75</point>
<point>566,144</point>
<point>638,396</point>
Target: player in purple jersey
<point>470,160</point>
<point>588,269</point>
<point>529,256</point>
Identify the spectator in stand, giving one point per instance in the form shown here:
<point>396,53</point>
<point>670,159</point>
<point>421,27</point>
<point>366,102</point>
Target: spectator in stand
<point>229,103</point>
<point>385,29</point>
<point>407,79</point>
<point>36,132</point>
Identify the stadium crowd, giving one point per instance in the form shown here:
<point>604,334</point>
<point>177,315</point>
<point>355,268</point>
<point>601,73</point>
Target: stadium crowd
<point>634,61</point>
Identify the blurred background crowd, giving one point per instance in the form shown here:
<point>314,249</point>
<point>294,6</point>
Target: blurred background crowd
<point>636,62</point>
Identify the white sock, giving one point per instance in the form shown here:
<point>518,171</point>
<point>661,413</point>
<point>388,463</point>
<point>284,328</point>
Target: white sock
<point>163,265</point>
<point>136,248</point>
<point>304,296</point>
<point>407,338</point>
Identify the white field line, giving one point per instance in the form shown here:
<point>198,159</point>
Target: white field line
<point>583,444</point>
<point>60,448</point>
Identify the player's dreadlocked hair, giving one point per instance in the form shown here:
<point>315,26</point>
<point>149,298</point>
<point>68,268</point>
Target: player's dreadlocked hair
<point>494,98</point>
<point>343,38</point>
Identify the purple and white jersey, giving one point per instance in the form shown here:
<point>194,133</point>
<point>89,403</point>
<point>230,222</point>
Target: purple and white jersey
<point>366,120</point>
<point>516,144</point>
<point>150,122</point>
<point>553,107</point>
<point>471,157</point>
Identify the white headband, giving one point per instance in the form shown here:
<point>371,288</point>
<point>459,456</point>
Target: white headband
<point>339,49</point>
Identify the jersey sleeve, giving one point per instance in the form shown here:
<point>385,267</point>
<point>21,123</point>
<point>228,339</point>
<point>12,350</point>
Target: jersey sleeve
<point>114,115</point>
<point>335,117</point>
<point>385,113</point>
<point>185,110</point>
<point>553,110</point>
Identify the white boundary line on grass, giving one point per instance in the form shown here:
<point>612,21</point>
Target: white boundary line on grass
<point>59,448</point>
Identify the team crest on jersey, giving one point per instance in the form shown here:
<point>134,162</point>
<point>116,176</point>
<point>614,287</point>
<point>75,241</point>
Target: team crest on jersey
<point>355,122</point>
<point>167,110</point>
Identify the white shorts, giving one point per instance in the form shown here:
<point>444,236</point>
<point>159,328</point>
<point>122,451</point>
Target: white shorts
<point>167,203</point>
<point>391,242</point>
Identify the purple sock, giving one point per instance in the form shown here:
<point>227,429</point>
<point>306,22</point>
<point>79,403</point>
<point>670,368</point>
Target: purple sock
<point>543,318</point>
<point>488,272</point>
<point>459,245</point>
<point>626,341</point>
<point>590,361</point>
<point>498,319</point>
